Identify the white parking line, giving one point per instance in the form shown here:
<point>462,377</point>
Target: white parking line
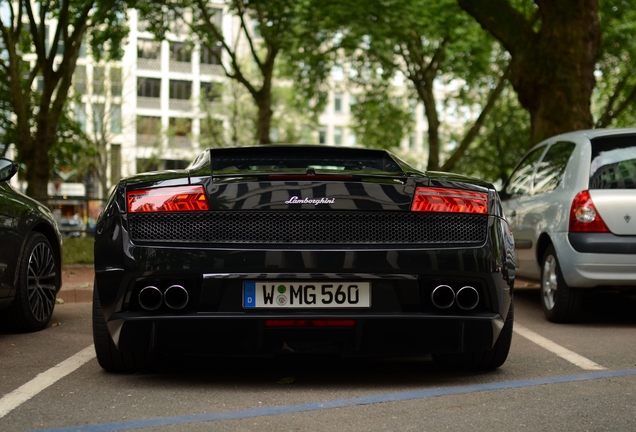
<point>564,353</point>
<point>22,394</point>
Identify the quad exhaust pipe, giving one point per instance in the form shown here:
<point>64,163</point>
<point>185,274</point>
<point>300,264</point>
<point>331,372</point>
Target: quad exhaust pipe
<point>152,298</point>
<point>466,298</point>
<point>176,297</point>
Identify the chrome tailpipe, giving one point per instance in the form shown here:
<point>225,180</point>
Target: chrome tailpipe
<point>150,298</point>
<point>467,298</point>
<point>443,296</point>
<point>176,297</point>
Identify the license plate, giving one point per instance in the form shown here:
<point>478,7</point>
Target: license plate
<point>266,294</point>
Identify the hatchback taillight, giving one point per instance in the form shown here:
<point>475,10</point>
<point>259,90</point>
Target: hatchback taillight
<point>434,200</point>
<point>169,199</point>
<point>583,215</point>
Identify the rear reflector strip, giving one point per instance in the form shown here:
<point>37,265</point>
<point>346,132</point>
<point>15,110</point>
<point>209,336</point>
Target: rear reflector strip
<point>310,323</point>
<point>440,200</point>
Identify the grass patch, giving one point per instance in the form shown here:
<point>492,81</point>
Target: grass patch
<point>77,250</point>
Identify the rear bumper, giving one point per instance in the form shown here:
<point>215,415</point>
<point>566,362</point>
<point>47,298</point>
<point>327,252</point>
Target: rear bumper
<point>248,335</point>
<point>598,269</point>
<point>401,318</point>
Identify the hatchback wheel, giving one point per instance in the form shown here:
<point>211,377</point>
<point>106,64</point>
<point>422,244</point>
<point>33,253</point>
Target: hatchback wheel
<point>561,303</point>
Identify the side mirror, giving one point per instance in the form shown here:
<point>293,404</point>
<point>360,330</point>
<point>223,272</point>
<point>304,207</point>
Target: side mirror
<point>8,168</point>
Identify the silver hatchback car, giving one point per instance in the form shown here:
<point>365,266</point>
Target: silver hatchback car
<point>571,203</point>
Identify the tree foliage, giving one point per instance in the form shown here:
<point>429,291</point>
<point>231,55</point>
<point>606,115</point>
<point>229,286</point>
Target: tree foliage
<point>39,46</point>
<point>263,28</point>
<point>554,46</point>
<point>429,43</point>
<point>615,93</point>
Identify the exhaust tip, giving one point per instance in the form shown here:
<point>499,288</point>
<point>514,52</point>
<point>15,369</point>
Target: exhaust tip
<point>443,296</point>
<point>176,297</point>
<point>467,298</point>
<point>150,298</point>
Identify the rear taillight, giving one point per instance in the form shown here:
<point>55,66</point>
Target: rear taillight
<point>169,199</point>
<point>583,215</point>
<point>436,200</point>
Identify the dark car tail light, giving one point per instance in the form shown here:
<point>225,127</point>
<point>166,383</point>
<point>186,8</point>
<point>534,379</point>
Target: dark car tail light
<point>440,200</point>
<point>169,199</point>
<point>583,215</point>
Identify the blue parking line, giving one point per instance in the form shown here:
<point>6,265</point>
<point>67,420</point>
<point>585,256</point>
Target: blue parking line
<point>338,403</point>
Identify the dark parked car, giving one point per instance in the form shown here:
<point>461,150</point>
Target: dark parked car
<point>30,258</point>
<point>302,249</point>
<point>571,203</point>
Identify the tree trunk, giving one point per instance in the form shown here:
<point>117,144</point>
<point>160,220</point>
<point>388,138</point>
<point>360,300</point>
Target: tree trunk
<point>265,114</point>
<point>552,69</point>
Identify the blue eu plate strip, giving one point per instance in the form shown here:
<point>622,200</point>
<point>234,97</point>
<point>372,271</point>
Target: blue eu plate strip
<point>249,295</point>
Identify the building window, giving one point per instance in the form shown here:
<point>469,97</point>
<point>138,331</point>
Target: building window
<point>180,89</point>
<point>79,80</point>
<point>80,115</point>
<point>211,91</point>
<point>337,102</point>
<point>147,125</point>
<point>148,49</point>
<point>115,119</point>
<point>175,164</point>
<point>337,136</point>
<point>115,163</point>
<point>180,52</point>
<point>210,56</point>
<point>98,117</point>
<point>180,126</point>
<point>115,81</point>
<point>99,80</point>
<point>149,87</point>
<point>322,136</point>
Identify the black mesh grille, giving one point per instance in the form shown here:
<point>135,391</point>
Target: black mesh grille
<point>331,228</point>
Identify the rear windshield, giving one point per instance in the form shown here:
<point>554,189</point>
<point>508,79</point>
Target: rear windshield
<point>301,160</point>
<point>613,162</point>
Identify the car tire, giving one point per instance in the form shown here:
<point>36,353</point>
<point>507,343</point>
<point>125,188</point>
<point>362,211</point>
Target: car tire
<point>561,303</point>
<point>482,360</point>
<point>37,286</point>
<point>109,357</point>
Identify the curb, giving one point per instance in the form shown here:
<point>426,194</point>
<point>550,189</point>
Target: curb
<point>75,295</point>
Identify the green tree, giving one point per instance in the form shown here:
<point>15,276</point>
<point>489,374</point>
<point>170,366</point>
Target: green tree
<point>554,46</point>
<point>615,91</point>
<point>429,43</point>
<point>39,46</point>
<point>380,119</point>
<point>501,143</point>
<point>265,27</point>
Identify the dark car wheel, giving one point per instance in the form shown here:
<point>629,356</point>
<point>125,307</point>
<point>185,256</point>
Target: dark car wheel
<point>482,360</point>
<point>37,286</point>
<point>561,303</point>
<point>109,357</point>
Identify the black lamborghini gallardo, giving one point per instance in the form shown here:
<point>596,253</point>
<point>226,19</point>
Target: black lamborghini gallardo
<point>260,251</point>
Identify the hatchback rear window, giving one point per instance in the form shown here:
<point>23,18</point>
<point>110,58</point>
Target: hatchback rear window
<point>613,162</point>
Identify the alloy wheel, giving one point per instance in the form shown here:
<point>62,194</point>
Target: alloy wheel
<point>549,282</point>
<point>41,277</point>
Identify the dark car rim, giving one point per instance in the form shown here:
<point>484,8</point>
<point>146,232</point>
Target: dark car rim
<point>549,282</point>
<point>41,278</point>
